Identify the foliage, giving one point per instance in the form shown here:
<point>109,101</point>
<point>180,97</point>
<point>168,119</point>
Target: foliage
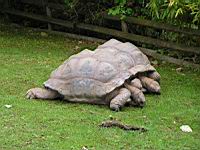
<point>181,10</point>
<point>70,3</point>
<point>85,10</point>
<point>120,9</point>
<point>171,10</point>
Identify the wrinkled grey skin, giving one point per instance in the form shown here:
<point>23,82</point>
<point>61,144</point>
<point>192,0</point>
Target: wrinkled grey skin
<point>103,76</point>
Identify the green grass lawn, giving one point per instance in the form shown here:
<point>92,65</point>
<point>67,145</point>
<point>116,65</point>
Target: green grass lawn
<point>26,61</point>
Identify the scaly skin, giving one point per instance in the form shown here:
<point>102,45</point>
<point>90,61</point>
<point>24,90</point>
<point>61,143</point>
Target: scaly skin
<point>137,95</point>
<point>120,100</point>
<point>136,83</point>
<point>154,75</point>
<point>42,93</point>
<point>150,84</point>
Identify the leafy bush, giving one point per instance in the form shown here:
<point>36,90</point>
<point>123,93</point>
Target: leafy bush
<point>181,10</point>
<point>175,11</point>
<point>121,9</point>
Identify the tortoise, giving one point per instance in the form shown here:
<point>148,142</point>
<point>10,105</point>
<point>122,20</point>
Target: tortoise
<point>130,58</point>
<point>110,75</point>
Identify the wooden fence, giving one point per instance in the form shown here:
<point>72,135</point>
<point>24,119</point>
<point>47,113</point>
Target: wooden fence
<point>123,34</point>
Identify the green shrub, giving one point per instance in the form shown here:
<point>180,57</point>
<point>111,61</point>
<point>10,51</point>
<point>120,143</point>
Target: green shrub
<point>175,10</point>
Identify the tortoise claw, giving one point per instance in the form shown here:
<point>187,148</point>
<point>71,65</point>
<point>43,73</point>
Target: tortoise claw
<point>154,75</point>
<point>30,94</point>
<point>116,108</point>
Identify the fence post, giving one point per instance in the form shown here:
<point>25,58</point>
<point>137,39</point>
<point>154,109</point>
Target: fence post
<point>48,11</point>
<point>124,26</point>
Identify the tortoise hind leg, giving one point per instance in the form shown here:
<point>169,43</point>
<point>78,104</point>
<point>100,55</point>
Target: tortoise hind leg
<point>120,100</point>
<point>42,93</point>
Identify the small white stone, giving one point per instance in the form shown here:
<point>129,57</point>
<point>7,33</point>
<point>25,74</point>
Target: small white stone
<point>186,128</point>
<point>84,148</point>
<point>179,69</point>
<point>44,34</point>
<point>8,106</point>
<point>155,62</point>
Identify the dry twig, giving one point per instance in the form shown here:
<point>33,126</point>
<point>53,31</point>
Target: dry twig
<point>116,123</point>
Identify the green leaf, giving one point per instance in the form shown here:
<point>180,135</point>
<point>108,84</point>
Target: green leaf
<point>179,11</point>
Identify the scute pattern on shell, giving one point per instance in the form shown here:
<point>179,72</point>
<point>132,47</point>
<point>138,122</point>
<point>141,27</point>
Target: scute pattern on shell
<point>126,55</point>
<point>93,74</point>
<point>85,77</point>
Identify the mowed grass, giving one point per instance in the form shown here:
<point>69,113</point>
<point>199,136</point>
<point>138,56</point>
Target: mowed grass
<point>26,61</point>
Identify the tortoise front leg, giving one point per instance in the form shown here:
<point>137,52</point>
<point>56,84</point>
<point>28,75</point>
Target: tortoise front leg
<point>154,75</point>
<point>136,83</point>
<point>42,93</point>
<point>120,100</point>
<point>137,95</point>
<point>150,84</point>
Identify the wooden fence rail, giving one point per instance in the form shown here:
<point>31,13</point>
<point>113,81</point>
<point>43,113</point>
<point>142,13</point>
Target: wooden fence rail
<point>138,38</point>
<point>153,24</point>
